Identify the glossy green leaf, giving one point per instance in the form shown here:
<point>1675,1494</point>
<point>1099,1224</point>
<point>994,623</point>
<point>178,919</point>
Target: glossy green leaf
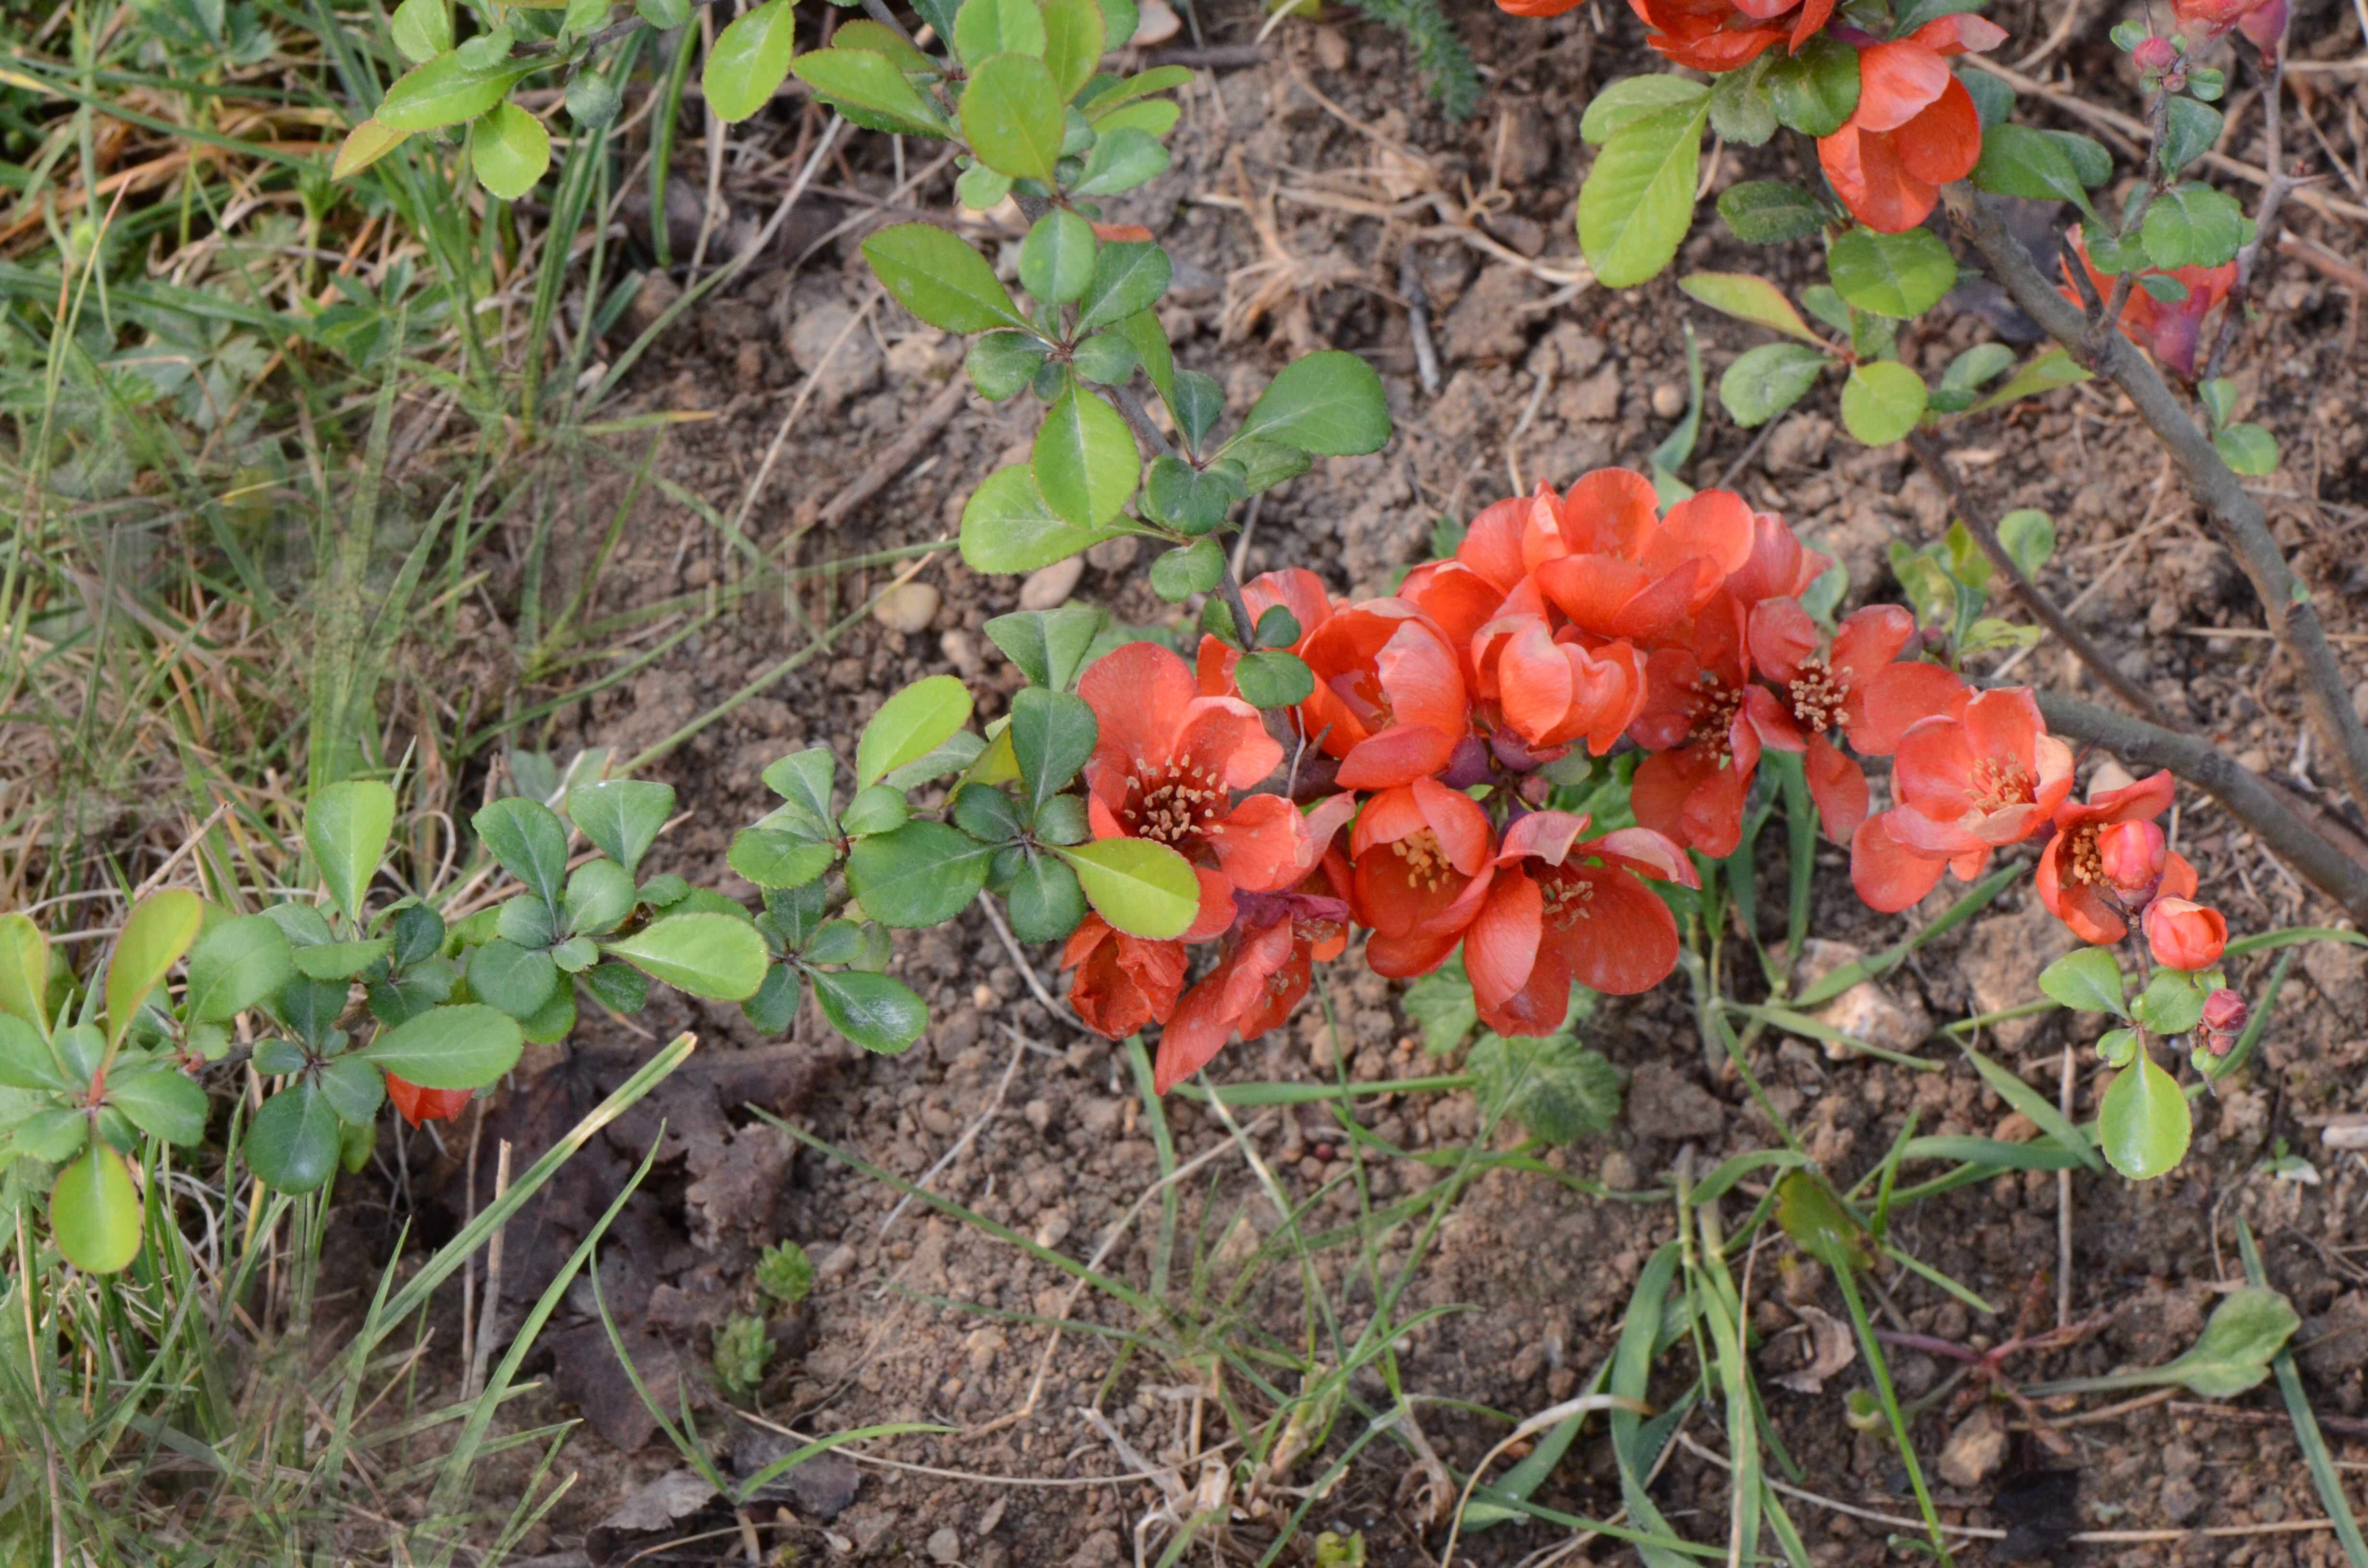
<point>939,279</point>
<point>346,827</point>
<point>241,964</point>
<point>1142,888</point>
<point>511,978</point>
<point>749,61</point>
<point>620,987</point>
<point>1011,116</point>
<point>2087,981</point>
<point>1274,679</point>
<point>24,970</point>
<point>1044,904</point>
<point>1007,526</point>
<point>2191,224</point>
<point>1328,402</point>
<point>874,1011</point>
<point>910,726</point>
<point>774,1009</point>
<point>1769,212</point>
<point>870,87</point>
<point>983,29</point>
<point>510,149</point>
<point>2171,1003</point>
<point>1765,381</point>
<point>1085,461</point>
<point>463,1047</point>
<point>1053,735</point>
<point>1897,276</point>
<point>160,1102</point>
<point>529,841</point>
<point>450,89</point>
<point>1632,98</point>
<point>713,956</point>
<point>420,29</point>
<point>1152,350</point>
<point>2249,449</point>
<point>1050,646</point>
<point>1882,402</point>
<point>1056,259</point>
<point>161,928</point>
<point>95,1213</point>
<point>1815,89</point>
<point>1073,43</point>
<point>599,895</point>
<point>802,780</point>
<point>291,1145</point>
<point>2029,537</point>
<point>958,751</point>
<point>1124,158</point>
<point>1747,297</point>
<point>877,808</point>
<point>2143,1123</point>
<point>1638,199</point>
<point>925,873</point>
<point>2019,161</point>
<point>1001,364</point>
<point>1177,574</point>
<point>621,816</point>
<point>1129,276</point>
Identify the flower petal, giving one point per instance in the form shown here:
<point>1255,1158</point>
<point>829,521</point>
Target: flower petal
<point>1888,875</point>
<point>1501,948</point>
<point>1897,82</point>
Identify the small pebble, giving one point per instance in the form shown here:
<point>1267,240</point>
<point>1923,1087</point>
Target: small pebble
<point>2253,759</point>
<point>1050,587</point>
<point>2359,700</point>
<point>1668,399</point>
<point>961,650</point>
<point>945,1546</point>
<point>1156,22</point>
<point>1115,554</point>
<point>908,606</point>
<point>2109,775</point>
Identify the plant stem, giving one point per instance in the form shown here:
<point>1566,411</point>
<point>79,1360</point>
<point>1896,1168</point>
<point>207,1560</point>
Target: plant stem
<point>2273,198</point>
<point>2285,600</point>
<point>1984,532</point>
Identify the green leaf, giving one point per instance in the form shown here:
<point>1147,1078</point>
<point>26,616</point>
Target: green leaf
<point>2030,539</point>
<point>1977,366</point>
<point>413,992</point>
<point>1819,1223</point>
<point>1189,499</point>
<point>1152,348</point>
<point>1056,259</point>
<point>1328,402</point>
<point>2249,448</point>
<point>529,841</point>
<point>1053,735</point>
<point>911,725</point>
<point>621,816</point>
<point>1638,200</point>
<point>983,29</point>
<point>1993,99</point>
<point>1198,402</point>
<point>1177,574</point>
<point>1747,297</point>
<point>1124,158</point>
<point>1440,1005</point>
<point>1274,679</point>
<point>2044,373</point>
<point>161,928</point>
<point>784,1273</point>
<point>1815,89</point>
<point>510,978</point>
<point>1008,528</point>
<point>874,89</point>
<point>925,873</point>
<point>1001,364</point>
<point>1897,276</point>
<point>1130,89</point>
<point>160,1102</point>
<point>1073,43</point>
<point>2194,130</point>
<point>874,1011</point>
<point>2143,1123</point>
<point>1914,14</point>
<point>877,808</point>
<point>421,29</point>
<point>1769,212</point>
<point>2193,225</point>
<point>510,149</point>
<point>346,827</point>
<point>1765,381</point>
<point>96,1214</point>
<point>2019,161</point>
<point>2243,1335</point>
<point>2089,159</point>
<point>593,100</point>
<point>1626,101</point>
<point>1011,116</point>
<point>1142,888</point>
<point>1882,402</point>
<point>1050,646</point>
<point>24,1060</point>
<point>803,780</point>
<point>337,960</point>
<point>749,61</point>
<point>1128,276</point>
<point>2171,1003</point>
<point>775,1006</point>
<point>1559,1089</point>
<point>2040,1110</point>
<point>1085,462</point>
<point>1062,820</point>
<point>938,278</point>
<point>865,33</point>
<point>354,1089</point>
<point>713,956</point>
<point>771,857</point>
<point>617,986</point>
<point>463,1047</point>
<point>2087,981</point>
<point>1045,903</point>
<point>1740,111</point>
<point>291,1145</point>
<point>663,15</point>
<point>241,964</point>
<point>1107,359</point>
<point>54,1136</point>
<point>450,89</point>
<point>24,970</point>
<point>599,895</point>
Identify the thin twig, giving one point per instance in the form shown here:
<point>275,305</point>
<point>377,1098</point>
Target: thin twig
<point>1027,969</point>
<point>2232,320</point>
<point>970,1133</point>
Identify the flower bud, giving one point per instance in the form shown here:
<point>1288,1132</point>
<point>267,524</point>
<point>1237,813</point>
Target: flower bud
<point>2131,854</point>
<point>2224,1012</point>
<point>2183,934</point>
<point>2156,54</point>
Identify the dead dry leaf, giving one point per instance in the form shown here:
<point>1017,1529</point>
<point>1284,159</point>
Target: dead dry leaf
<point>1831,1348</point>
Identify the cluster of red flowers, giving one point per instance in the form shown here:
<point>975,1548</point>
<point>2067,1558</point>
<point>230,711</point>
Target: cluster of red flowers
<point>1565,621</point>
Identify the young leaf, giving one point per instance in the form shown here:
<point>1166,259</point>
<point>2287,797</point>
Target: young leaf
<point>2030,539</point>
<point>1007,526</point>
<point>1745,298</point>
<point>749,61</point>
<point>1765,381</point>
<point>1328,402</point>
<point>775,858</point>
<point>2171,1003</point>
<point>529,841</point>
<point>161,928</point>
<point>1085,462</point>
<point>910,726</point>
<point>1769,212</point>
<point>803,780</point>
<point>1191,569</point>
<point>621,816</point>
<point>2087,981</point>
<point>1128,276</point>
<point>925,873</point>
<point>346,827</point>
<point>2193,130</point>
<point>714,955</point>
<point>1977,366</point>
<point>2143,1123</point>
<point>877,808</point>
<point>1638,200</point>
<point>874,1011</point>
<point>420,29</point>
<point>160,1102</point>
<point>1073,43</point>
<point>1882,402</point>
<point>450,89</point>
<point>1011,116</point>
<point>2044,373</point>
<point>239,964</point>
<point>870,89</point>
<point>1122,158</point>
<point>1056,259</point>
<point>2243,1335</point>
<point>983,29</point>
<point>24,970</point>
<point>1142,888</point>
<point>291,1145</point>
<point>939,279</point>
<point>2193,225</point>
<point>510,149</point>
<point>1274,679</point>
<point>1815,89</point>
<point>96,1214</point>
<point>2250,449</point>
<point>1898,275</point>
<point>599,895</point>
<point>1633,97</point>
<point>1049,646</point>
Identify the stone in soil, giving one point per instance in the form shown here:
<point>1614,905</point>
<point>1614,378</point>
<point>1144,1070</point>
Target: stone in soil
<point>1050,587</point>
<point>1665,1103</point>
<point>908,606</point>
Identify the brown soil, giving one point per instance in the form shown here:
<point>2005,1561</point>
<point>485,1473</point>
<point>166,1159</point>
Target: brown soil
<point>1278,210</point>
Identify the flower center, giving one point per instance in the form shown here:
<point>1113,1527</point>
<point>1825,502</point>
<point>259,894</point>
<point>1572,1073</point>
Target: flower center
<point>1176,803</point>
<point>1569,900</point>
<point>1426,862</point>
<point>1717,707</point>
<point>2085,858</point>
<point>1817,696</point>
<point>2000,784</point>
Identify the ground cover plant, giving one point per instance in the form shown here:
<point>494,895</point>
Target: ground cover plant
<point>1530,770</point>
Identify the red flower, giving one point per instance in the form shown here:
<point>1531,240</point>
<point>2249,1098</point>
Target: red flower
<point>2072,878</point>
<point>1558,908</point>
<point>1987,776</point>
<point>1418,849</point>
<point>2183,934</point>
<point>2172,329</point>
<point>417,1105</point>
<point>1164,766</point>
<point>1719,35</point>
<point>2202,21</point>
<point>2132,856</point>
<point>1704,721</point>
<point>1389,699</point>
<point>1123,982</point>
<point>1915,128</point>
<point>1857,687</point>
<point>1612,563</point>
<point>1262,974</point>
<point>1556,687</point>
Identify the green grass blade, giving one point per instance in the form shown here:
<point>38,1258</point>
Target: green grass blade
<point>2324,1476</point>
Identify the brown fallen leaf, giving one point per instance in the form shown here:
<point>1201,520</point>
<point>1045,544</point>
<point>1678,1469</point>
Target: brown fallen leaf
<point>1831,1348</point>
